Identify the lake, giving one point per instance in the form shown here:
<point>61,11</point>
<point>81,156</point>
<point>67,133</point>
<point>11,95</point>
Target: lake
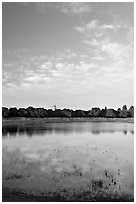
<point>68,161</point>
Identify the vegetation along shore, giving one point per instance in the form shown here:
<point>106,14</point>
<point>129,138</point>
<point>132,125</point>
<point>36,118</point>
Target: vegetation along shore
<point>94,112</point>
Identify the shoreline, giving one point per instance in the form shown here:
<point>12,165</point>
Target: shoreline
<point>60,120</point>
<point>9,195</point>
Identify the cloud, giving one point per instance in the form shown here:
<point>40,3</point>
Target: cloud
<point>112,52</point>
<point>75,8</point>
<point>100,30</point>
<point>69,8</point>
<point>80,29</point>
<point>94,42</point>
<point>52,76</point>
<point>114,27</point>
<point>106,26</point>
<point>111,44</point>
<point>67,54</point>
<point>92,25</point>
<point>87,27</point>
<point>106,60</point>
<point>59,65</point>
<point>41,7</point>
<point>98,58</point>
<point>65,67</point>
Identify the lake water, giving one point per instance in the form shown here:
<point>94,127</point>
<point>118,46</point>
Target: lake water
<point>69,159</point>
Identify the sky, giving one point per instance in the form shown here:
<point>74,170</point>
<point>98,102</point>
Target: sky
<point>72,55</point>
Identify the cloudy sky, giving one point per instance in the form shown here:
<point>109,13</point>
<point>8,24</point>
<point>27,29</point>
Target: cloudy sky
<point>73,55</point>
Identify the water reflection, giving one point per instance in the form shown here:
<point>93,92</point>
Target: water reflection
<point>67,155</point>
<point>65,128</point>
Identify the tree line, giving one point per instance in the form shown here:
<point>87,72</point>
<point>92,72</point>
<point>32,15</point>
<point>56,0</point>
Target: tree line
<point>95,112</point>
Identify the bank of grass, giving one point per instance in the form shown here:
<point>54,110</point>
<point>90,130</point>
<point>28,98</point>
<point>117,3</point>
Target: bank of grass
<point>85,196</point>
<point>60,120</point>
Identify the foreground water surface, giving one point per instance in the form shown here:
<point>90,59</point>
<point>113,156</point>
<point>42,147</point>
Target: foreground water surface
<point>71,161</point>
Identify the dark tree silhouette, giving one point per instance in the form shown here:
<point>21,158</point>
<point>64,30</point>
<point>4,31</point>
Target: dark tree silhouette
<point>124,112</point>
<point>131,112</point>
<point>5,112</point>
<point>22,112</point>
<point>79,113</point>
<point>95,112</point>
<point>110,113</point>
<point>67,112</point>
<point>13,112</point>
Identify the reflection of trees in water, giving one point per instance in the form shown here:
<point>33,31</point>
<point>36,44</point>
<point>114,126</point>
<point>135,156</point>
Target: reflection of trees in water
<point>125,132</point>
<point>96,132</point>
<point>13,130</point>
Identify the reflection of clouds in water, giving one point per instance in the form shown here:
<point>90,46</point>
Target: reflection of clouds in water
<point>80,153</point>
<point>10,149</point>
<point>67,162</point>
<point>32,156</point>
<point>36,155</point>
<point>86,168</point>
<point>89,161</point>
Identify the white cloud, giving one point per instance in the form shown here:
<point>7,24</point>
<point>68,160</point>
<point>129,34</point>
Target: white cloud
<point>98,58</point>
<point>67,54</point>
<point>67,69</point>
<point>106,45</point>
<point>59,65</point>
<point>93,42</point>
<point>91,25</point>
<point>69,8</point>
<point>32,78</point>
<point>87,27</point>
<point>121,53</point>
<point>117,51</point>
<point>107,26</point>
<point>45,65</point>
<point>80,29</point>
<point>96,29</point>
<point>75,8</point>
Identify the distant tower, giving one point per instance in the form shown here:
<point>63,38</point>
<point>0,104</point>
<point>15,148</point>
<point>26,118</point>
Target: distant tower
<point>55,107</point>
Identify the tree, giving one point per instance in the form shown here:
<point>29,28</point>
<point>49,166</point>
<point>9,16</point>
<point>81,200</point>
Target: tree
<point>22,112</point>
<point>94,112</point>
<point>131,112</point>
<point>5,112</point>
<point>110,113</point>
<point>50,113</point>
<point>119,113</point>
<point>124,107</point>
<point>13,112</point>
<point>30,112</point>
<point>67,112</point>
<point>58,113</point>
<point>124,112</point>
<point>79,113</point>
<point>40,112</point>
<point>103,112</point>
